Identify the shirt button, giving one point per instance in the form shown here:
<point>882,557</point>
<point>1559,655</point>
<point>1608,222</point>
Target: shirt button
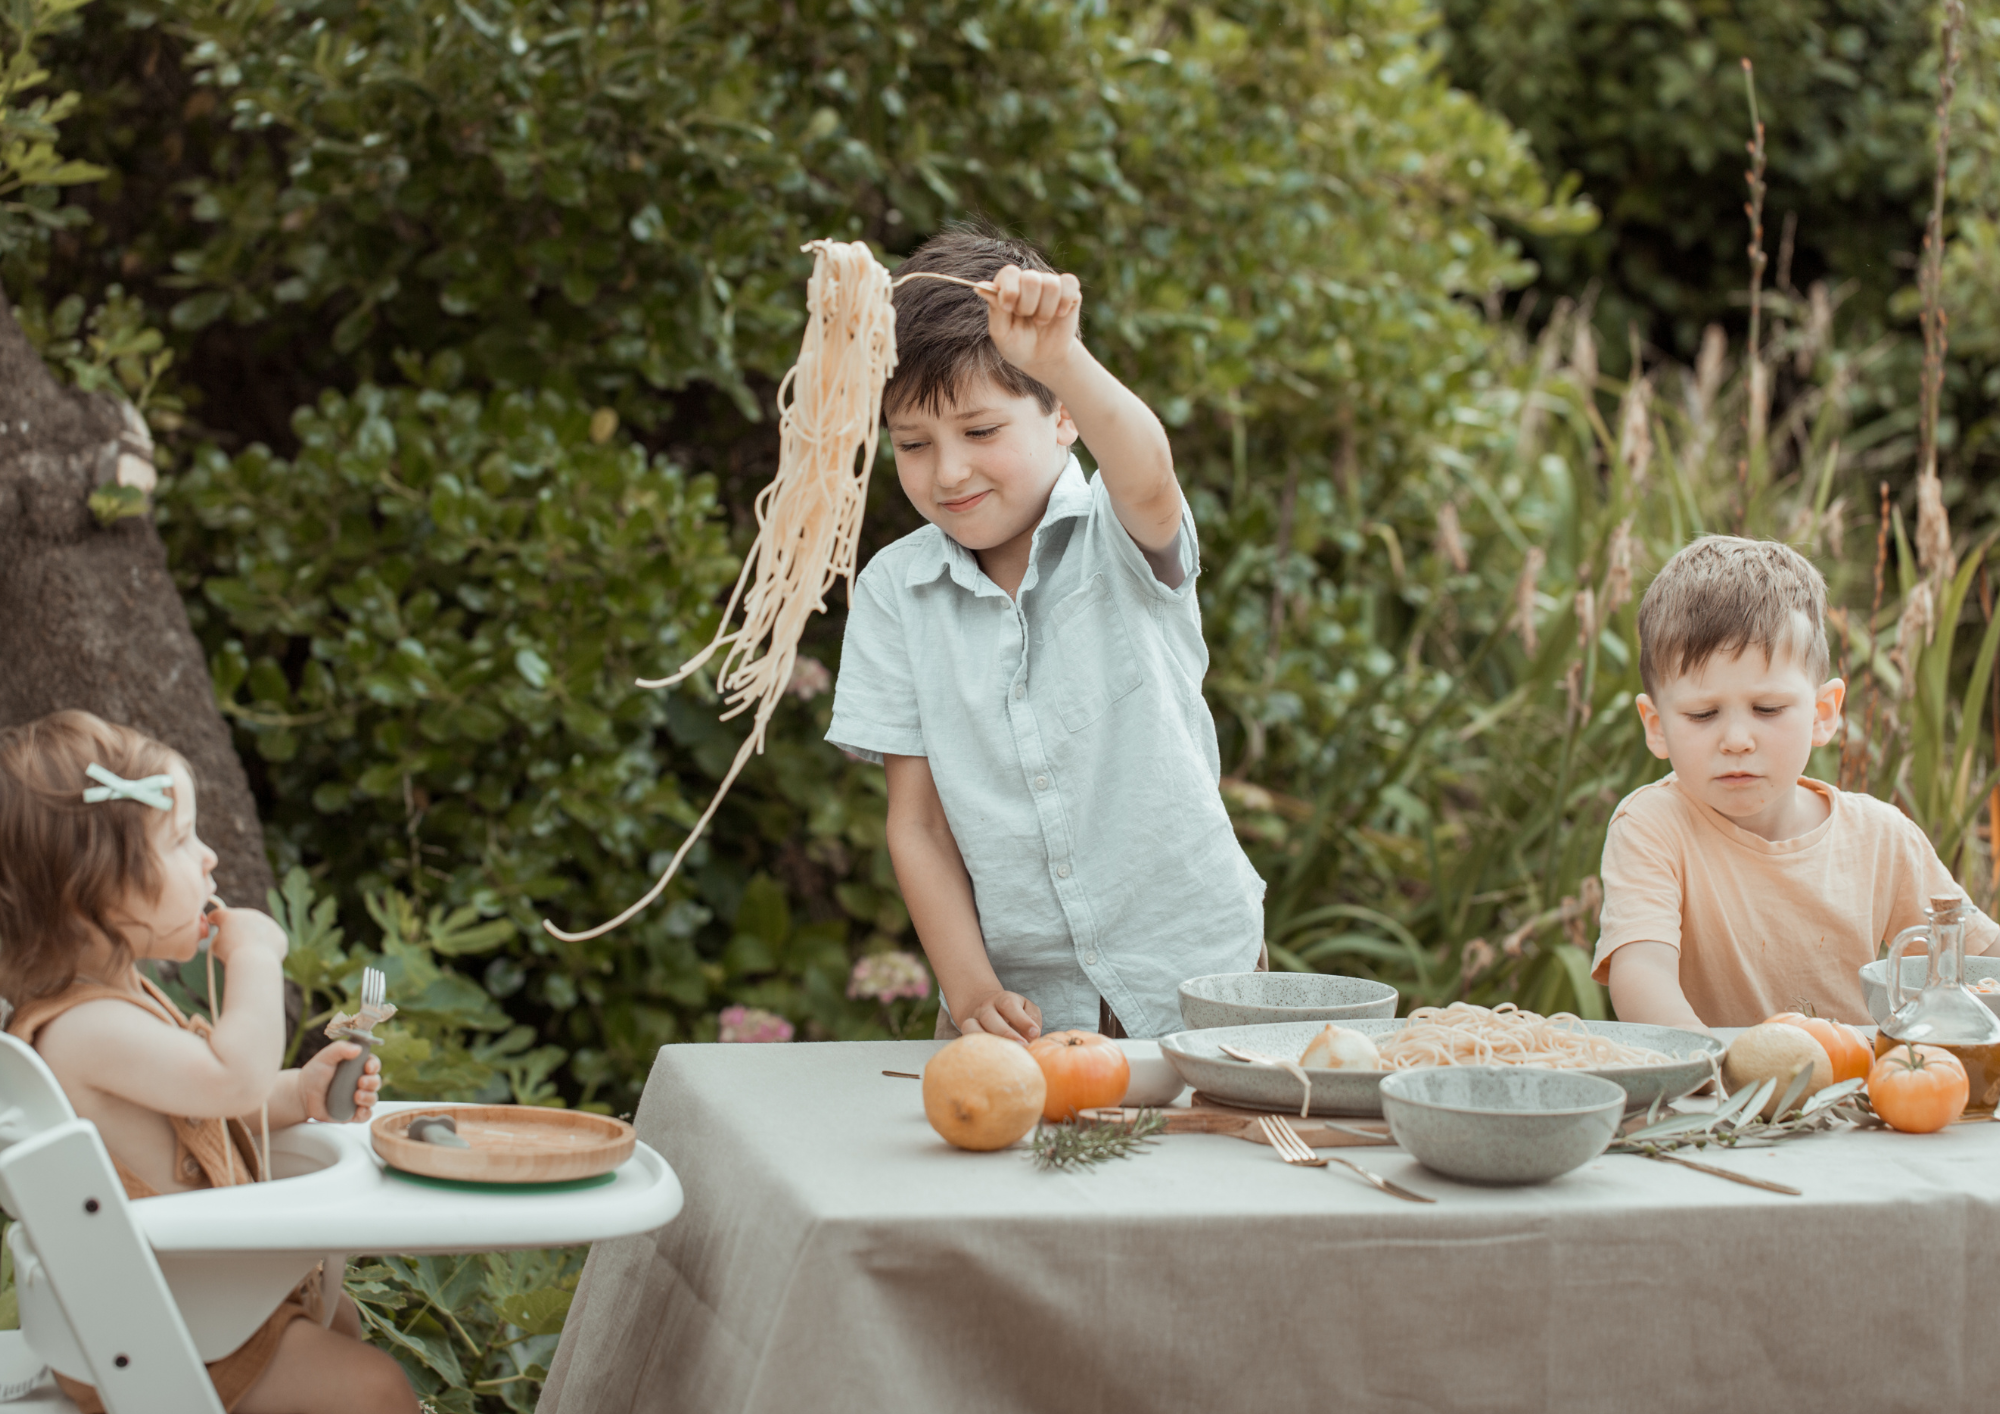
<point>1062,871</point>
<point>1041,783</point>
<point>1019,690</point>
<point>1090,959</point>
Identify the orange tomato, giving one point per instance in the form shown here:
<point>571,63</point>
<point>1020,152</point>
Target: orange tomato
<point>1918,1089</point>
<point>1084,1071</point>
<point>1851,1057</point>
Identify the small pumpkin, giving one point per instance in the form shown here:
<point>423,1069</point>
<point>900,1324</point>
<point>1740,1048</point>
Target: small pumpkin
<point>1852,1059</point>
<point>1084,1071</point>
<point>1918,1089</point>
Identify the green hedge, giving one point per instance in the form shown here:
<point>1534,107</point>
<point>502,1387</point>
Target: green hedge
<point>1645,103</point>
<point>533,269</point>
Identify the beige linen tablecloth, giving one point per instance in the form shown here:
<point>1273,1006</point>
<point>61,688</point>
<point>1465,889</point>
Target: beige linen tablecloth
<point>834,1254</point>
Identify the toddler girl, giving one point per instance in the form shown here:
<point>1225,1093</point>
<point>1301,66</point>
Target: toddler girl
<point>100,866</point>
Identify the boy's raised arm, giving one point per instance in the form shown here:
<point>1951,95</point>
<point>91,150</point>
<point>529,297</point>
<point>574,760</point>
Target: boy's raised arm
<point>1032,318</point>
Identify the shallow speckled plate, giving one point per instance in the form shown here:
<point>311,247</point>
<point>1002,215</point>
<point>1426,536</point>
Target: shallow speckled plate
<point>1197,1055</point>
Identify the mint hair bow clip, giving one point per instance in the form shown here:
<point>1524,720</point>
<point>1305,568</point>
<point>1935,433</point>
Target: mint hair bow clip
<point>150,791</point>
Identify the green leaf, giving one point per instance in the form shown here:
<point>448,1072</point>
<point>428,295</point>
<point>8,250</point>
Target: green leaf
<point>1677,1124</point>
<point>532,666</point>
<point>1589,995</point>
<point>461,936</point>
<point>537,1312</point>
<point>111,504</point>
<point>1794,1091</point>
<point>199,311</point>
<point>433,1351</point>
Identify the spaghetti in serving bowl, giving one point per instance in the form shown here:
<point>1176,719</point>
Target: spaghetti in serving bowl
<point>1463,1034</point>
<point>1685,1060</point>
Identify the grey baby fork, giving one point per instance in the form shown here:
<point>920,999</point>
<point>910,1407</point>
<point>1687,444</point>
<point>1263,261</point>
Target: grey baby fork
<point>347,1075</point>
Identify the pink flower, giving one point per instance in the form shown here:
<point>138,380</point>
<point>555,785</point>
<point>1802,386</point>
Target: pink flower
<point>884,977</point>
<point>809,679</point>
<point>749,1023</point>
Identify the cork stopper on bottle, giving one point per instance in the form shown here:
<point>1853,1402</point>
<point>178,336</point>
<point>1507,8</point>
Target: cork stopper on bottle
<point>1944,907</point>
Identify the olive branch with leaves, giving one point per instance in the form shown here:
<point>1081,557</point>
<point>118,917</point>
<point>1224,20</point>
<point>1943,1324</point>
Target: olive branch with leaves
<point>1738,1122</point>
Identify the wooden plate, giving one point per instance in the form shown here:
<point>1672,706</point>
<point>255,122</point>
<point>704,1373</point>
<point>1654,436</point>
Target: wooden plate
<point>510,1144</point>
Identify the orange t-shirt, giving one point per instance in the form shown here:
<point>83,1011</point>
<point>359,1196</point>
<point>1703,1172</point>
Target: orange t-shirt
<point>1761,925</point>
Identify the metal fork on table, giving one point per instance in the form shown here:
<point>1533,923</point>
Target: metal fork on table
<point>1294,1150</point>
<point>340,1092</point>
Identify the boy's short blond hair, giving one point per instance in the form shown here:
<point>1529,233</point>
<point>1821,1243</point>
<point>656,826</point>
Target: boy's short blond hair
<point>1723,594</point>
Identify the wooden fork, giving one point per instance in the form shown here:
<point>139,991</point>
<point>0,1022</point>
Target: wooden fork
<point>1294,1150</point>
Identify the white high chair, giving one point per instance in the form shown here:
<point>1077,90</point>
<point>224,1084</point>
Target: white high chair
<point>134,1297</point>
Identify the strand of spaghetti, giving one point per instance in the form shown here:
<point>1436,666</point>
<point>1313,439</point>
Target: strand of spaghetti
<point>808,518</point>
<point>743,754</point>
<point>985,287</point>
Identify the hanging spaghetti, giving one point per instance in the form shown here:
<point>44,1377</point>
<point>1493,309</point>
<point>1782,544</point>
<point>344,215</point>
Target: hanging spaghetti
<point>808,518</point>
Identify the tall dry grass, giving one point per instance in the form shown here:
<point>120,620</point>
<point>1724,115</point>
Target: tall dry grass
<point>1452,848</point>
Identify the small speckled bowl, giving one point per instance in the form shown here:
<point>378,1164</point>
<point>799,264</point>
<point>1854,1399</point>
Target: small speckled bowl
<point>1501,1125</point>
<point>1254,998</point>
<point>1875,981</point>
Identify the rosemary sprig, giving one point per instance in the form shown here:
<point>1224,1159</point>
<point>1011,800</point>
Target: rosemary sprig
<point>1077,1144</point>
<point>1738,1122</point>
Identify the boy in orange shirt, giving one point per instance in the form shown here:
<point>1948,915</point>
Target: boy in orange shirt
<point>1736,887</point>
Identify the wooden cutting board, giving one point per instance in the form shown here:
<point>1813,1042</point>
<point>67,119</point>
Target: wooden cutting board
<point>508,1144</point>
<point>1205,1115</point>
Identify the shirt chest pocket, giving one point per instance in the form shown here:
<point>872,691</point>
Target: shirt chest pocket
<point>1087,654</point>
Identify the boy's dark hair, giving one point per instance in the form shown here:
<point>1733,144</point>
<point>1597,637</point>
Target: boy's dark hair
<point>941,341</point>
<point>66,866</point>
<point>1723,594</point>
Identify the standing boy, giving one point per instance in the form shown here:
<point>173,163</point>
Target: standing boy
<point>1736,887</point>
<point>1028,669</point>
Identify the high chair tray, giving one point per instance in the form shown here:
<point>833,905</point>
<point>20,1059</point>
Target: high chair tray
<point>335,1194</point>
<point>508,1144</point>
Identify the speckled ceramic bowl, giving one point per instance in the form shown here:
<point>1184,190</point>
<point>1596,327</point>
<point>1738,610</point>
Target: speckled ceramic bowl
<point>1875,981</point>
<point>1253,998</point>
<point>1154,1080</point>
<point>1501,1124</point>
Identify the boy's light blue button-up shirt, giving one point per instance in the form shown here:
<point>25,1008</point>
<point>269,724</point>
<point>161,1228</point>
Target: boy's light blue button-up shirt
<point>1073,753</point>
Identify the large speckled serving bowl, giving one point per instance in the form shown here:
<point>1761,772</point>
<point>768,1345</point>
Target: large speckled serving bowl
<point>1501,1124</point>
<point>1252,998</point>
<point>1197,1055</point>
<point>1875,981</point>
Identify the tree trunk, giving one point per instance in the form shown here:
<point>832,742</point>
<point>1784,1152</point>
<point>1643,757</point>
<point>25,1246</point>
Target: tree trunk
<point>89,615</point>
